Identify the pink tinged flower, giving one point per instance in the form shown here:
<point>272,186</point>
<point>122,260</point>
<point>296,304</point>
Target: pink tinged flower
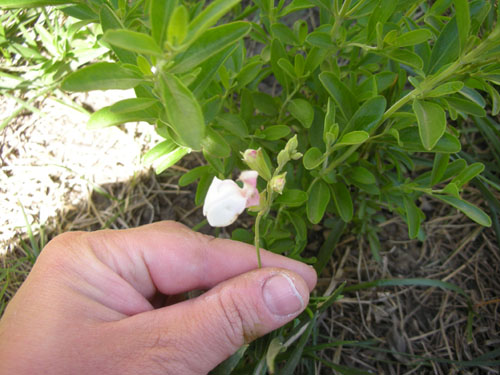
<point>225,200</point>
<point>249,179</point>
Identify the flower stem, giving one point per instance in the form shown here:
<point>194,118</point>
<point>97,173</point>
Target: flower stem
<point>257,238</point>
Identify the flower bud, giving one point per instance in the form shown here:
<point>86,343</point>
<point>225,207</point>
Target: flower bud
<point>277,183</point>
<point>256,161</point>
<point>283,158</point>
<point>291,145</point>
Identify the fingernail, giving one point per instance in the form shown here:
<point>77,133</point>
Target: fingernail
<point>281,295</point>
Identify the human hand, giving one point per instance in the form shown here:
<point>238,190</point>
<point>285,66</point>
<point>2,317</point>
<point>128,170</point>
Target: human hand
<point>88,305</point>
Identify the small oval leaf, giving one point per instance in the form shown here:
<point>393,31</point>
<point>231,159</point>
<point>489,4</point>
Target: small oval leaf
<point>431,119</point>
<point>101,76</point>
<point>319,196</point>
<point>312,158</point>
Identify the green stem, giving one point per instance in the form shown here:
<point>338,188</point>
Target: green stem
<point>257,237</point>
<point>341,159</point>
<point>288,98</point>
<point>355,8</point>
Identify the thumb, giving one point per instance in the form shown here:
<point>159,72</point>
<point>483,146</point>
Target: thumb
<point>196,335</point>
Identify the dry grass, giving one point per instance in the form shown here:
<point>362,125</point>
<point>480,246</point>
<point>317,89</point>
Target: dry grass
<point>411,323</point>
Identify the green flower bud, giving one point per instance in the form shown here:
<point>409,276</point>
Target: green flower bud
<point>291,146</point>
<point>277,183</point>
<point>283,158</point>
<point>256,161</point>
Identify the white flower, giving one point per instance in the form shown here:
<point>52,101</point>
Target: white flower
<point>225,200</point>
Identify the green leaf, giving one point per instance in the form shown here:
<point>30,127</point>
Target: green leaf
<point>406,282</point>
<point>132,41</point>
<point>451,189</point>
<point>345,99</point>
<point>101,76</point>
<point>412,37</point>
<point>446,49</point>
<point>296,5</point>
<point>209,68</point>
<point>326,250</point>
<point>463,20</point>
<point>230,364</point>
<point>248,73</point>
<point>178,26</point>
<point>406,57</point>
<point>110,21</point>
<point>302,111</point>
<point>353,138</point>
<point>33,3</point>
<point>468,174</point>
<point>158,151</point>
<point>314,58</point>
<point>473,95</point>
<point>193,174</point>
<point>275,132</point>
<point>294,359</point>
<point>431,120</point>
<point>474,213</point>
<point>466,106</point>
<point>368,116</point>
<point>414,217</point>
<point>343,202</point>
<point>170,159</point>
<point>320,40</point>
<point>215,144</point>
<point>264,103</point>
<point>183,111</point>
<point>292,198</point>
<point>278,52</point>
<point>495,99</point>
<point>284,34</point>
<point>299,65</point>
<point>128,110</point>
<point>362,175</point>
<point>287,67</point>
<point>299,223</point>
<point>445,89</point>
<point>312,158</point>
<point>439,7</point>
<point>410,140</point>
<point>159,15</point>
<point>233,124</point>
<point>209,17</point>
<point>242,235</point>
<point>274,348</point>
<point>209,44</point>
<point>319,196</point>
<point>439,167</point>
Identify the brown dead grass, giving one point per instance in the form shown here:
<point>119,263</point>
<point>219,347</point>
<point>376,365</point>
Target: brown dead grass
<point>417,322</point>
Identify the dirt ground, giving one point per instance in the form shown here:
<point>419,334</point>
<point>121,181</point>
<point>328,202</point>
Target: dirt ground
<point>68,178</point>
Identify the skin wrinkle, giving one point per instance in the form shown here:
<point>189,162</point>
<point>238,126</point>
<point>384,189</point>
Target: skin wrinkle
<point>234,328</point>
<point>128,274</point>
<point>118,281</point>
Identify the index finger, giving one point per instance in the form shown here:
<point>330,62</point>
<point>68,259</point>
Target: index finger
<point>179,259</point>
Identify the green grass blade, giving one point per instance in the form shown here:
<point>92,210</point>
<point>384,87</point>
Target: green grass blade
<point>406,282</point>
<point>296,355</point>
